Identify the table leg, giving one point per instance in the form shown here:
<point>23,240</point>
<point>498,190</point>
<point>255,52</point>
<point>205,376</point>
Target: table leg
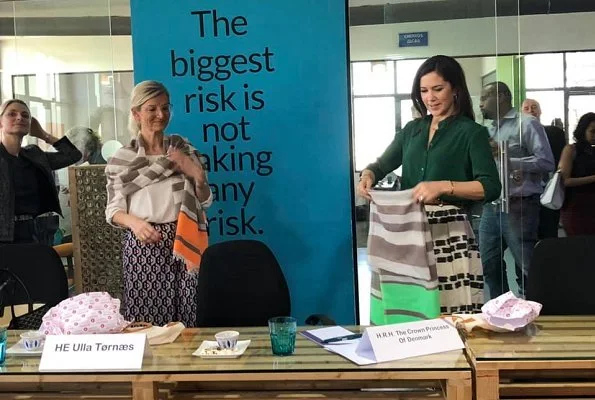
<point>487,385</point>
<point>459,389</point>
<point>144,391</point>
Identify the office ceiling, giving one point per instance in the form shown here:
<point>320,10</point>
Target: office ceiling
<point>374,12</point>
<point>90,17</point>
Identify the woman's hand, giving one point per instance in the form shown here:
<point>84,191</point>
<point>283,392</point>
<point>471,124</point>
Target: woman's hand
<point>429,192</point>
<point>184,164</point>
<point>145,232</point>
<point>36,130</point>
<point>366,181</point>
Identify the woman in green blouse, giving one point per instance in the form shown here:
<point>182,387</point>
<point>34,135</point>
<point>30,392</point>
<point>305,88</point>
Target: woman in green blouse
<point>447,162</point>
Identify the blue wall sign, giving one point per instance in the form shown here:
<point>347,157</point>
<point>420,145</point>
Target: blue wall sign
<point>261,88</point>
<point>413,39</point>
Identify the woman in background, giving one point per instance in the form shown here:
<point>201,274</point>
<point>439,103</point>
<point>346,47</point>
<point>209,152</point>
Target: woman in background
<point>447,160</point>
<point>577,166</point>
<point>157,190</point>
<point>88,142</point>
<point>27,184</point>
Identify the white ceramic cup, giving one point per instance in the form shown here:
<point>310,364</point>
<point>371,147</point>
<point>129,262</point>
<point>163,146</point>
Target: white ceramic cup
<point>32,340</point>
<point>227,339</point>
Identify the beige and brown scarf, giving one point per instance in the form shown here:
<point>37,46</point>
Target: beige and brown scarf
<point>130,170</point>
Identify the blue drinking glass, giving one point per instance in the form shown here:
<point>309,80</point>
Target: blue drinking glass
<point>283,330</point>
<point>3,338</point>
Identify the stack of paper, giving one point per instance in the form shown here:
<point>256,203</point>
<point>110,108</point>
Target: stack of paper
<point>389,342</point>
<point>345,348</point>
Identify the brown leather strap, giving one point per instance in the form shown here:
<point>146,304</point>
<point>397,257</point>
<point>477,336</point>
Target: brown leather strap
<point>136,327</point>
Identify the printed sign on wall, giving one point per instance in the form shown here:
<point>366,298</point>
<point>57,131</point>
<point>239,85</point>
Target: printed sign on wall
<point>261,88</point>
<point>413,39</point>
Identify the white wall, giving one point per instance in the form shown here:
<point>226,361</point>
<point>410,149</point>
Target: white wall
<point>478,36</point>
<point>488,65</point>
<point>469,37</point>
<point>473,72</point>
<point>42,55</point>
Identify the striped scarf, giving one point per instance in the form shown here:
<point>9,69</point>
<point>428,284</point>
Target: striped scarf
<point>401,256</point>
<point>130,170</point>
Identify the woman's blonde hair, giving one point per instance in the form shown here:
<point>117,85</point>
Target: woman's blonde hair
<point>143,92</point>
<point>5,105</point>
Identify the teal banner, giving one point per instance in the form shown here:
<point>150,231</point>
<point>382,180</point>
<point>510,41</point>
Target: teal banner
<point>261,88</point>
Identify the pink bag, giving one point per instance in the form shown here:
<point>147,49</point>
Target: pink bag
<point>86,313</point>
<point>509,312</point>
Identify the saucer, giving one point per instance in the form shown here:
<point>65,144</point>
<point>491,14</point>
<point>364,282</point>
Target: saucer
<point>19,349</point>
<point>210,349</point>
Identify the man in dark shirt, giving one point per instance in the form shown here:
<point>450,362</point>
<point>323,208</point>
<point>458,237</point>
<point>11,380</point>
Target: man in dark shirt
<point>549,220</point>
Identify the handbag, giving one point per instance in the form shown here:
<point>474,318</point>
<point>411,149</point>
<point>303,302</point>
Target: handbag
<point>32,319</point>
<point>553,194</point>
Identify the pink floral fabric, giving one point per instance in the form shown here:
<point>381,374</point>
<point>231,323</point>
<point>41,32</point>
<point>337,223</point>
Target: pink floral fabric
<point>509,312</point>
<point>87,313</point>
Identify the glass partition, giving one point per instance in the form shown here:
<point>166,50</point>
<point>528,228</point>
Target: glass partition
<point>494,41</point>
<point>71,62</point>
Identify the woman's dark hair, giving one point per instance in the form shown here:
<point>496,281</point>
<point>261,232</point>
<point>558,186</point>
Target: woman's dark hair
<point>580,132</point>
<point>450,70</point>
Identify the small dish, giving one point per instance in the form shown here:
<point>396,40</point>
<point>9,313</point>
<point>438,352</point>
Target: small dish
<point>18,349</point>
<point>210,349</point>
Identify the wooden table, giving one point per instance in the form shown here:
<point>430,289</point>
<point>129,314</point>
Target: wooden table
<point>555,356</point>
<point>310,372</point>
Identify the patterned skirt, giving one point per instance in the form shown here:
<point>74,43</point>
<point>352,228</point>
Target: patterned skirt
<point>460,274</point>
<point>157,287</point>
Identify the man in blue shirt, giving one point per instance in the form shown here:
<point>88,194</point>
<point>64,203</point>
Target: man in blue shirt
<point>549,219</point>
<point>528,157</point>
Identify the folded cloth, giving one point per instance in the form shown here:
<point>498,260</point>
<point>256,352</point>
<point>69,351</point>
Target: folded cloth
<point>509,312</point>
<point>404,284</point>
<point>158,334</point>
<point>130,170</point>
<point>86,313</point>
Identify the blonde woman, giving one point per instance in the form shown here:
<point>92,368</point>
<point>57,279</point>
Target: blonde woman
<point>158,190</point>
<point>27,185</point>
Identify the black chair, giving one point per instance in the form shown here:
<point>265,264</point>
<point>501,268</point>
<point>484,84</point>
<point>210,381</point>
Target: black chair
<point>39,268</point>
<point>240,284</point>
<point>561,276</point>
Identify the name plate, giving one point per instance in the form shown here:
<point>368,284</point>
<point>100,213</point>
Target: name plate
<point>116,352</point>
<point>398,341</point>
